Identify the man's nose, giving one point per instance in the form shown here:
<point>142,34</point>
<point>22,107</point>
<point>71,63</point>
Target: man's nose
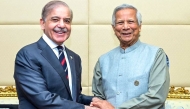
<point>61,23</point>
<point>125,25</point>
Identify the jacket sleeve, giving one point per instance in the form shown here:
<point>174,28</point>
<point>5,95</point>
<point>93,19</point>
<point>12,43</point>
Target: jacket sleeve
<point>84,99</point>
<point>97,89</point>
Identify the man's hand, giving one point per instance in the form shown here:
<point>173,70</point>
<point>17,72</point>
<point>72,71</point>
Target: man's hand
<point>102,104</point>
<point>89,107</point>
<point>95,99</point>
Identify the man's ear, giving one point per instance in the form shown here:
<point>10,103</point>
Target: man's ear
<point>42,24</point>
<point>140,28</point>
<point>113,27</point>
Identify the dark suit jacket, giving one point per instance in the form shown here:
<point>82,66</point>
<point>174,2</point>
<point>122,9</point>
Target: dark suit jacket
<point>41,83</point>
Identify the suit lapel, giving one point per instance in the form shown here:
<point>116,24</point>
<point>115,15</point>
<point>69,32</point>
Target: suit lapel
<point>49,55</point>
<point>73,73</point>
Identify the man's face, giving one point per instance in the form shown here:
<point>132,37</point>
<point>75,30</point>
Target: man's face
<point>57,24</point>
<point>126,27</point>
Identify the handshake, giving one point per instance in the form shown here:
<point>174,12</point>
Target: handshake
<point>99,104</point>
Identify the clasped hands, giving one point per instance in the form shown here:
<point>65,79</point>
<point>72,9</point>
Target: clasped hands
<point>99,104</point>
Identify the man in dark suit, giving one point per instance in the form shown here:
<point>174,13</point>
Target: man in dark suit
<point>41,80</point>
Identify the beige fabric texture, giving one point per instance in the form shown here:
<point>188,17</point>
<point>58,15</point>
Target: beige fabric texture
<point>165,24</point>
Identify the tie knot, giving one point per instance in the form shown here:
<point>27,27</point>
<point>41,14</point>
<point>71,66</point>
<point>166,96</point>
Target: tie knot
<point>60,48</point>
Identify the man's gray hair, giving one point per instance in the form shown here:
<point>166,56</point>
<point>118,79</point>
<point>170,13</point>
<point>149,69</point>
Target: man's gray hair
<point>124,6</point>
<point>51,5</point>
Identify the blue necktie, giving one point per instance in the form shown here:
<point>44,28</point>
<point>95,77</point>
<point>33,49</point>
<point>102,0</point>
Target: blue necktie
<point>62,60</point>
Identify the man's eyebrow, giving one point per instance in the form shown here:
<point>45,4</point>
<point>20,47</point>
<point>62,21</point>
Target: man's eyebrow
<point>131,19</point>
<point>55,17</point>
<point>68,18</point>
